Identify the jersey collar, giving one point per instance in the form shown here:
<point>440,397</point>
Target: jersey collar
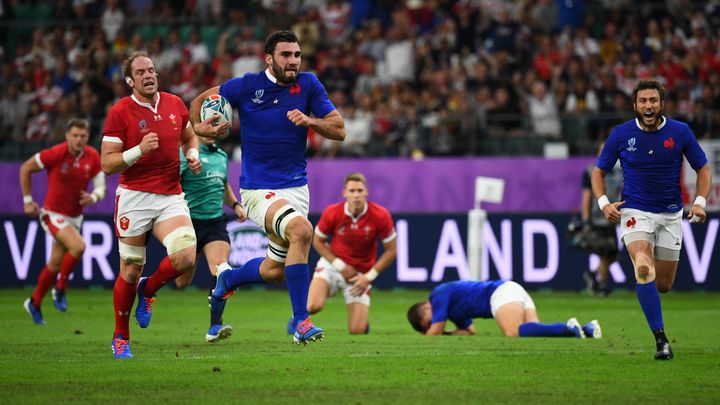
<point>662,124</point>
<point>147,105</point>
<point>270,76</point>
<point>350,214</point>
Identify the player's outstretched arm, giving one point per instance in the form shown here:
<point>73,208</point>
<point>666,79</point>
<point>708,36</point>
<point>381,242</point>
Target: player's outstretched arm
<point>332,126</point>
<point>206,128</point>
<point>26,170</point>
<point>697,213</point>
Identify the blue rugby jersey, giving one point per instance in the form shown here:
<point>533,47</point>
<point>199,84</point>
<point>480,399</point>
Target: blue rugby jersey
<point>273,148</point>
<point>461,301</point>
<point>651,163</point>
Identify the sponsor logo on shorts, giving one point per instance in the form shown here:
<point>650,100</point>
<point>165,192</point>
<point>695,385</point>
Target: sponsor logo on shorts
<point>124,223</point>
<point>630,223</point>
<point>60,220</point>
<point>269,195</point>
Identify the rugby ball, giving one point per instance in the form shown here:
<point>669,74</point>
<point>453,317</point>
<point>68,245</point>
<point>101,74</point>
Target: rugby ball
<point>217,106</point>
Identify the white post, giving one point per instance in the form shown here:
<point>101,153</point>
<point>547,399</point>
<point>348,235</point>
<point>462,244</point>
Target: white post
<point>486,189</point>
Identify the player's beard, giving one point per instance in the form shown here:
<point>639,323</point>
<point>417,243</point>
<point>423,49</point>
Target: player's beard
<point>641,118</point>
<point>279,74</point>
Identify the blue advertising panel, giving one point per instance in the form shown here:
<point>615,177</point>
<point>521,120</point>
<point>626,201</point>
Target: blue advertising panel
<point>530,249</point>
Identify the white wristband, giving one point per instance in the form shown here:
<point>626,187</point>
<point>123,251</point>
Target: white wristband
<point>339,264</point>
<point>192,152</point>
<point>372,274</point>
<point>27,199</point>
<point>603,201</point>
<point>132,155</point>
<point>701,201</point>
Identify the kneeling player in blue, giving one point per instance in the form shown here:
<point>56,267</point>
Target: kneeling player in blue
<point>505,301</point>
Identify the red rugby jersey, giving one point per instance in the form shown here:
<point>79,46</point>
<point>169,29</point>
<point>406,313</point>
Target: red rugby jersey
<point>355,240</point>
<point>68,176</point>
<point>129,120</point>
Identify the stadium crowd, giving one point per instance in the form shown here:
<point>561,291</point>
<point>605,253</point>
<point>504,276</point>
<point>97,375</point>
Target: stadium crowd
<point>411,78</point>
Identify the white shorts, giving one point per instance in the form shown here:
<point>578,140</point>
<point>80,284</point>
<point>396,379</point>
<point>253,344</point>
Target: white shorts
<point>137,211</point>
<point>256,203</point>
<point>510,292</point>
<point>335,280</point>
<point>52,222</point>
<point>662,230</point>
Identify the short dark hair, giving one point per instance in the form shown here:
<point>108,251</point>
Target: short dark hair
<point>127,63</point>
<point>279,36</point>
<point>81,123</point>
<point>415,316</point>
<point>649,85</point>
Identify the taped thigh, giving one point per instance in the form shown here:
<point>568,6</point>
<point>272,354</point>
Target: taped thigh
<point>282,218</point>
<point>663,253</point>
<point>132,254</point>
<point>179,239</point>
<point>276,252</point>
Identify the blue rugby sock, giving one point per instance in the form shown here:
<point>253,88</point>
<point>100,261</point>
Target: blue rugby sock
<point>297,277</point>
<point>649,299</point>
<point>249,273</point>
<point>536,329</point>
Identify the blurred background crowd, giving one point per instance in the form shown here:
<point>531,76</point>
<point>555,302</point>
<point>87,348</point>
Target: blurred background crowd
<point>411,77</point>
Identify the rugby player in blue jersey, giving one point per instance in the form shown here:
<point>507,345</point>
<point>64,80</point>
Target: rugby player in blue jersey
<point>505,301</point>
<point>276,107</point>
<point>651,149</point>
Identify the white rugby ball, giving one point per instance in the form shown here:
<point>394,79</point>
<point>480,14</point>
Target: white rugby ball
<point>217,106</point>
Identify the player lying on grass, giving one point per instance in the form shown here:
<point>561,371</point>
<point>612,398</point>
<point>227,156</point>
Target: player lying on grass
<point>505,301</point>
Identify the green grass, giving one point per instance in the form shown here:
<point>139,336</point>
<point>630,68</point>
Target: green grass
<point>69,359</point>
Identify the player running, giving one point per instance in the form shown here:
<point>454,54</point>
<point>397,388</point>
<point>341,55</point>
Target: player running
<point>70,166</point>
<point>276,108</point>
<point>142,138</point>
<point>205,193</point>
<point>651,149</point>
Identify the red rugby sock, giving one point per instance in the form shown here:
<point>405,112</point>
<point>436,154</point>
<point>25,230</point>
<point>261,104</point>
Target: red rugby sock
<point>45,281</point>
<point>123,300</point>
<point>66,268</point>
<point>164,273</point>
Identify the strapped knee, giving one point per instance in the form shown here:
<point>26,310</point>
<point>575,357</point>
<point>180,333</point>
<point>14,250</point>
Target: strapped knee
<point>132,254</point>
<point>179,239</point>
<point>276,252</point>
<point>282,218</point>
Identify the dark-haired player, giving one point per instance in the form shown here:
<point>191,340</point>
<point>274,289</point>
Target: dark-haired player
<point>651,148</point>
<point>276,107</point>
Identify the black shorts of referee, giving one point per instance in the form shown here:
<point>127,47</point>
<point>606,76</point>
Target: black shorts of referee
<point>210,230</point>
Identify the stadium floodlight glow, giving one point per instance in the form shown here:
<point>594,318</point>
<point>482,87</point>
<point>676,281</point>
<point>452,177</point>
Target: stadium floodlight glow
<point>487,189</point>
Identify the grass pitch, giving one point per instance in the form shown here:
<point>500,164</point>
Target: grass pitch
<point>70,359</point>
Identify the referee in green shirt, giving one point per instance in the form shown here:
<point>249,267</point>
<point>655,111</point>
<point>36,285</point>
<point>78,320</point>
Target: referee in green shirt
<point>205,193</point>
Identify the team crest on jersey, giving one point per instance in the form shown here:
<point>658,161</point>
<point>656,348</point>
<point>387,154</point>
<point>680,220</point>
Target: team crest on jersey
<point>669,143</point>
<point>64,167</point>
<point>258,96</point>
<point>142,124</point>
<point>295,89</point>
<point>631,145</point>
<point>172,119</point>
